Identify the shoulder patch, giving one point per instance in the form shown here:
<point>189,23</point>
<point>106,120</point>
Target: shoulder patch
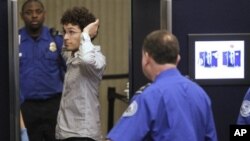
<point>245,108</point>
<point>54,32</point>
<point>131,110</point>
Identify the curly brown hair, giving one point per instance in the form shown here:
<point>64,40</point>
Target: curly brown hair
<point>80,16</point>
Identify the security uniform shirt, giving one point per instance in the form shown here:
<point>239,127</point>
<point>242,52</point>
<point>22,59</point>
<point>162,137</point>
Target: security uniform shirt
<point>172,108</point>
<point>40,71</point>
<point>244,116</point>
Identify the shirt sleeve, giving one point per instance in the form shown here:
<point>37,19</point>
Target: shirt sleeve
<point>211,134</point>
<point>90,54</point>
<point>133,125</point>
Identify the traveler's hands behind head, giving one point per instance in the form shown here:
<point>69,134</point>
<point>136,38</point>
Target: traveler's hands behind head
<point>92,28</point>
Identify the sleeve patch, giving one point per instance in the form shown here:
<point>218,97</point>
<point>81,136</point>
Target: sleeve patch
<point>131,110</point>
<point>245,108</point>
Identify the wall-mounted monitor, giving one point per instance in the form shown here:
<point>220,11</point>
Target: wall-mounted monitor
<point>219,59</point>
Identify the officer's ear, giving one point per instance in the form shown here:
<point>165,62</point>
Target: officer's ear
<point>21,15</point>
<point>145,58</point>
<point>178,59</point>
<point>45,13</point>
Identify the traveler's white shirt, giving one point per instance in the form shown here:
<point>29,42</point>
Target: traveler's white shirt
<point>78,115</point>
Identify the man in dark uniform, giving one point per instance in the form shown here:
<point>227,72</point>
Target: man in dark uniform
<point>41,73</point>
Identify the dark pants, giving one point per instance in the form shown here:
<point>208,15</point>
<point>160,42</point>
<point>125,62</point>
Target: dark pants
<point>40,118</point>
<point>78,139</point>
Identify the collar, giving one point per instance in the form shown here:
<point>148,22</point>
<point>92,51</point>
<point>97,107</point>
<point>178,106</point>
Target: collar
<point>45,34</point>
<point>168,73</point>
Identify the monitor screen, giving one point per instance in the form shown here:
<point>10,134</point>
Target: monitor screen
<point>219,58</point>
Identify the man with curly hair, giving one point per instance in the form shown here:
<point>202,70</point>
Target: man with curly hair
<point>79,117</point>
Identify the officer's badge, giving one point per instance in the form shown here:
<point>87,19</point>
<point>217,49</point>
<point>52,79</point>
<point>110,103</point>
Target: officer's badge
<point>52,46</point>
<point>131,110</point>
<point>245,108</point>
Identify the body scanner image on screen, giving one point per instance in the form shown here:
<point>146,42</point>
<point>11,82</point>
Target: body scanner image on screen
<point>219,59</point>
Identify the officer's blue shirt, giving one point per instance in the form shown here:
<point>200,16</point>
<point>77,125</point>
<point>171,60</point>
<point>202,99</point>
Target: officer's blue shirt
<point>172,108</point>
<point>40,65</point>
<point>244,116</point>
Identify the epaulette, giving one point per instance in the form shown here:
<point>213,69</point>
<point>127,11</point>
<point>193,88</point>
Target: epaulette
<point>55,32</point>
<point>142,88</point>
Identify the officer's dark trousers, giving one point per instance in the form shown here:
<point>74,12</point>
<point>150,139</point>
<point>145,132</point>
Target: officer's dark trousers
<point>78,139</point>
<point>40,118</point>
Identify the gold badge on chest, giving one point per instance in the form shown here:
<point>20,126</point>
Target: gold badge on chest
<point>52,46</point>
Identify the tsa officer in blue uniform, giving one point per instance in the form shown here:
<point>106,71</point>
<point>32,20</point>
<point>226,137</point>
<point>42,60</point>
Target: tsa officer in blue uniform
<point>41,73</point>
<point>172,108</point>
<point>244,116</point>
